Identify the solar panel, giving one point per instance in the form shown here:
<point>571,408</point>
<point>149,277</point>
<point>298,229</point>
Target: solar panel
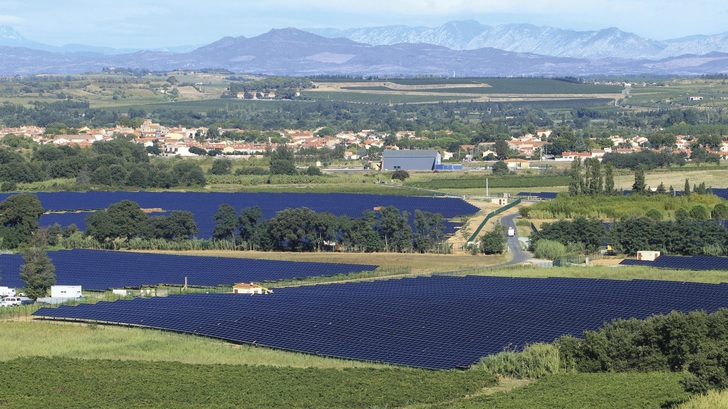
<point>433,322</point>
<point>103,269</point>
<point>682,262</point>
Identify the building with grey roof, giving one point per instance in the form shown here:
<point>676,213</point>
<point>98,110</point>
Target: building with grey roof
<point>410,159</point>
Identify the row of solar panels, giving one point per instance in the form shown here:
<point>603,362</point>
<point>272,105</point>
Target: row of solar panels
<point>434,322</point>
<point>682,262</point>
<point>102,269</point>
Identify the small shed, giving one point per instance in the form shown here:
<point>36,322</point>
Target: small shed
<point>648,255</point>
<point>66,291</point>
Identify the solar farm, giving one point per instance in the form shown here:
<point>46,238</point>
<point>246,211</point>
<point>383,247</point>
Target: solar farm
<point>101,270</point>
<point>702,263</point>
<point>66,208</point>
<point>437,322</point>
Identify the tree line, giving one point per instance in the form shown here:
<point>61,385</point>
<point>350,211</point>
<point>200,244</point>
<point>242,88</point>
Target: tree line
<point>686,237</point>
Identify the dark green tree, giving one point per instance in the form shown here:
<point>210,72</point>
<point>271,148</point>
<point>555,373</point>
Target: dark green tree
<point>575,180</point>
<point>609,179</point>
<point>400,174</point>
<point>221,167</point>
<point>394,229</point>
<point>19,216</point>
<point>123,220</point>
<point>37,272</point>
<point>226,223</point>
<point>686,189</point>
<point>429,231</point>
<point>719,212</point>
<point>500,168</point>
<point>639,187</point>
<point>494,241</point>
<point>250,219</point>
<point>282,161</point>
<point>188,173</point>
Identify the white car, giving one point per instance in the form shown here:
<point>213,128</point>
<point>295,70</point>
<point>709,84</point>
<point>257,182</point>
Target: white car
<point>11,302</point>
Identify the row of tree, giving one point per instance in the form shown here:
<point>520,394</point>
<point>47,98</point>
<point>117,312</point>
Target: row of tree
<point>297,229</point>
<point>115,163</point>
<point>687,237</point>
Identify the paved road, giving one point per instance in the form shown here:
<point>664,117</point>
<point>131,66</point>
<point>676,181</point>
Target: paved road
<point>514,246</point>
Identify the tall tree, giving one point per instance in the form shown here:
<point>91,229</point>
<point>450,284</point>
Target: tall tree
<point>394,229</point>
<point>429,231</point>
<point>123,220</point>
<point>686,189</point>
<point>575,181</point>
<point>226,223</point>
<point>638,187</point>
<point>37,271</point>
<point>609,179</point>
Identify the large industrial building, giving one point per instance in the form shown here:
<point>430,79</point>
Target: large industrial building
<point>410,159</point>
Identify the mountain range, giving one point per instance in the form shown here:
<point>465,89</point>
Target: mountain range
<point>464,48</point>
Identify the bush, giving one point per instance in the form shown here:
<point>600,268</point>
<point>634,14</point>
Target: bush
<point>535,361</point>
<point>549,249</point>
<point>654,214</point>
<point>699,212</point>
<point>400,175</point>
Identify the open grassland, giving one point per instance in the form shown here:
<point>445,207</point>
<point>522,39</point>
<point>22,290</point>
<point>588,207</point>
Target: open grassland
<point>63,382</point>
<point>671,93</point>
<point>85,365</point>
<point>713,176</point>
<point>577,391</point>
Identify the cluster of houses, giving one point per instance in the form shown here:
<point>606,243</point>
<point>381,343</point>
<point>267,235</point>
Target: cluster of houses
<point>174,141</point>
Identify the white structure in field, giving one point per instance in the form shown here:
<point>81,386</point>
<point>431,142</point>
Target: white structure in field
<point>66,291</point>
<point>648,255</point>
<point>7,292</point>
<point>245,288</point>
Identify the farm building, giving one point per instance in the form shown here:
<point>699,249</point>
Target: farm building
<point>249,288</point>
<point>410,159</point>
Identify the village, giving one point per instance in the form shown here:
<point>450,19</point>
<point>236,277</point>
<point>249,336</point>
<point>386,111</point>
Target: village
<point>357,146</point>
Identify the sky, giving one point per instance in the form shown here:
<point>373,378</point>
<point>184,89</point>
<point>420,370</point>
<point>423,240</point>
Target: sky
<point>164,23</point>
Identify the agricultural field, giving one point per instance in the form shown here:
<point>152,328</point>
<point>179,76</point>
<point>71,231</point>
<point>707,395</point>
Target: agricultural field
<point>478,89</point>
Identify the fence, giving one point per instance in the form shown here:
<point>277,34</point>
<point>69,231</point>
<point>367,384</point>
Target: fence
<point>490,215</point>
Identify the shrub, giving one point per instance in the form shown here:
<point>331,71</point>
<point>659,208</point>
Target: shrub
<point>549,249</point>
<point>535,361</point>
<point>699,212</point>
<point>654,214</point>
<point>400,175</point>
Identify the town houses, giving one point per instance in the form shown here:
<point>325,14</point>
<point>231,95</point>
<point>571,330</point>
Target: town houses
<point>180,141</point>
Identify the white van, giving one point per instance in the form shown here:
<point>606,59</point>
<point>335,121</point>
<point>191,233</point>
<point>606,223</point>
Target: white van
<point>11,301</point>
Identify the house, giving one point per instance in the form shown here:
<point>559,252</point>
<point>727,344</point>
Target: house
<point>514,164</point>
<point>249,288</point>
<point>410,159</point>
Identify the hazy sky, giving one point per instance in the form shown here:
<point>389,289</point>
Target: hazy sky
<point>159,23</point>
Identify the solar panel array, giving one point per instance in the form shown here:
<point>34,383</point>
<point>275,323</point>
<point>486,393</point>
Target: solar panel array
<point>204,205</point>
<point>101,269</point>
<point>682,263</point>
<point>433,322</point>
<point>540,195</point>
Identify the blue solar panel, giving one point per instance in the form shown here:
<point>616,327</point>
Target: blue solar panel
<point>101,270</point>
<point>539,195</point>
<point>682,263</point>
<point>434,322</point>
<point>204,205</point>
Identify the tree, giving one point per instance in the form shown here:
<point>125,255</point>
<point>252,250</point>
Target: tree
<point>122,220</point>
<point>638,187</point>
<point>549,249</point>
<point>19,216</point>
<point>178,225</point>
<point>429,231</point>
<point>188,173</point>
<point>249,223</point>
<point>502,150</point>
<point>282,161</point>
<point>575,180</point>
<point>719,212</point>
<point>221,167</point>
<point>226,223</point>
<point>609,179</point>
<point>494,241</point>
<point>699,212</point>
<point>400,174</point>
<point>37,271</point>
<point>313,171</point>
<point>500,168</point>
<point>394,229</point>
<point>686,189</point>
